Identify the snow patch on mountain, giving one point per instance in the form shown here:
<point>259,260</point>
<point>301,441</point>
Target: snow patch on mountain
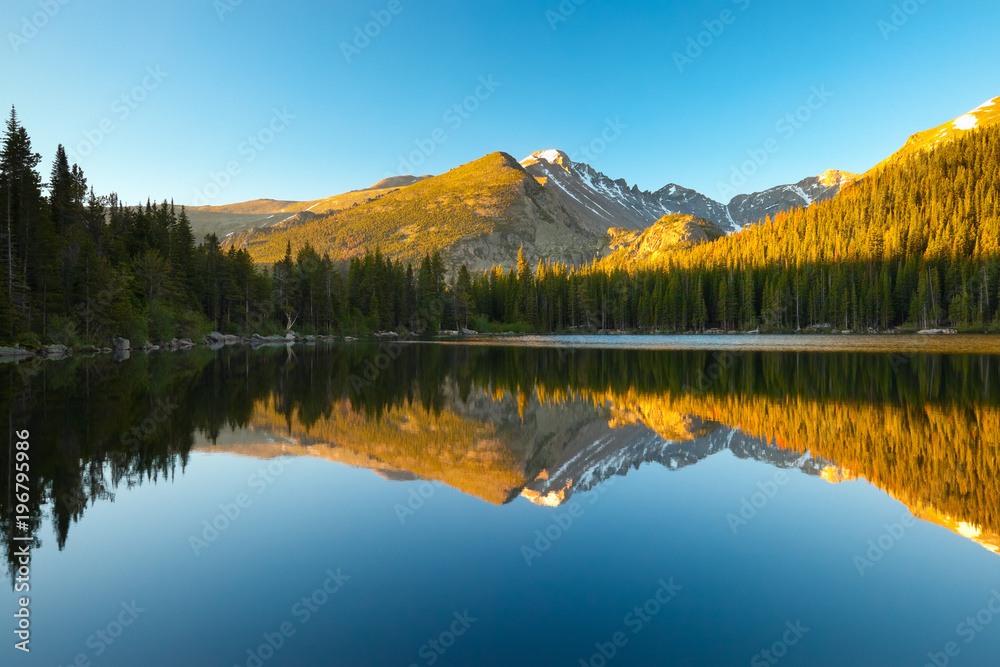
<point>801,193</point>
<point>966,122</point>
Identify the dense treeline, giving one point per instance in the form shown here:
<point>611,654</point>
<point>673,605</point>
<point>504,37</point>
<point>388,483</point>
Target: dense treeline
<point>79,268</point>
<point>82,268</point>
<point>915,244</point>
<point>376,293</point>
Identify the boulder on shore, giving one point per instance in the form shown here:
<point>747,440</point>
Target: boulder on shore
<point>216,338</point>
<point>179,344</point>
<point>121,344</point>
<point>257,340</point>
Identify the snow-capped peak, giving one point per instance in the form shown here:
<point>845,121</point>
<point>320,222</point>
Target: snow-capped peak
<point>835,177</point>
<point>551,156</point>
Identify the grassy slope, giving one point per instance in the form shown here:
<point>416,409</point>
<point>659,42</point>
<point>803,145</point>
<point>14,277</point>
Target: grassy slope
<point>476,200</point>
<point>233,218</point>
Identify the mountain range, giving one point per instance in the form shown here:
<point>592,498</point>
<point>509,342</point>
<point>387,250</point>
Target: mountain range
<point>484,212</point>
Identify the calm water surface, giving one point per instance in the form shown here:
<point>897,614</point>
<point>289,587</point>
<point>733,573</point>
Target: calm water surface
<point>542,504</point>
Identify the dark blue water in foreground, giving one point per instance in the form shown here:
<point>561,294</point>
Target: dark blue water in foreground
<point>716,546</point>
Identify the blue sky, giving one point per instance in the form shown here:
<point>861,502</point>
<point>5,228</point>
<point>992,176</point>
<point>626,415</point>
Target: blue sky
<point>200,77</point>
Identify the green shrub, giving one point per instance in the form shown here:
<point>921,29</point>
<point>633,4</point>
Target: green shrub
<point>135,328</point>
<point>479,323</point>
<point>162,325</point>
<point>191,324</point>
<point>29,341</point>
<point>63,331</point>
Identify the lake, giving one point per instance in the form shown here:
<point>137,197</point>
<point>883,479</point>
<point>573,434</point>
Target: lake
<point>704,500</point>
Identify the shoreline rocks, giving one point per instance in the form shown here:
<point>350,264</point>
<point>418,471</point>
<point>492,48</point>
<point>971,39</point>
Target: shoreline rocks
<point>122,349</point>
<point>15,353</point>
<point>258,341</point>
<point>938,332</point>
<point>182,344</point>
<point>216,340</point>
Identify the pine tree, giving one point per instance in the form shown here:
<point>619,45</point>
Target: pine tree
<point>61,192</point>
<point>463,296</point>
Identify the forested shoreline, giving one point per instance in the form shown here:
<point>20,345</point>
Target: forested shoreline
<point>914,245</point>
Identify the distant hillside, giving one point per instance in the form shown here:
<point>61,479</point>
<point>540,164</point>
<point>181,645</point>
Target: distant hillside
<point>233,218</point>
<point>396,182</point>
<point>254,207</point>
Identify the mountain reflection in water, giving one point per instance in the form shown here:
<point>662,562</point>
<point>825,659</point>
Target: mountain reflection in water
<point>497,423</point>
